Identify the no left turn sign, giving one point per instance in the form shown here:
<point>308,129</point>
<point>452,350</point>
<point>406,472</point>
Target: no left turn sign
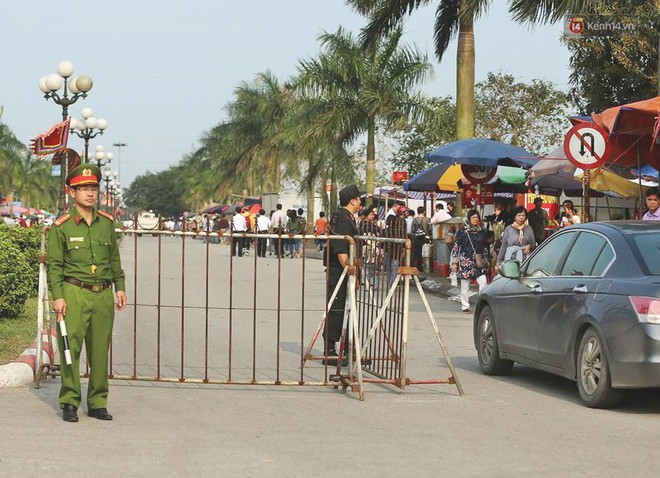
<point>587,146</point>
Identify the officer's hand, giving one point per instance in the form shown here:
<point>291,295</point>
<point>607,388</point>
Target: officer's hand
<point>121,300</point>
<point>59,307</point>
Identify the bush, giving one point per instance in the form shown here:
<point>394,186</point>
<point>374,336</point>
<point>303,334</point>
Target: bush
<point>16,279</point>
<point>28,241</point>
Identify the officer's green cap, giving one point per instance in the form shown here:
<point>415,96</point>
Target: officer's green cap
<point>85,173</point>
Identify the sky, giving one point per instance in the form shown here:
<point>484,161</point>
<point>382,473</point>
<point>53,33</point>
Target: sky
<point>164,71</point>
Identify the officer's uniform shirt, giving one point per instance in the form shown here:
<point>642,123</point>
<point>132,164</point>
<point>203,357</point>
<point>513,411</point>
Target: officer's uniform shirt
<point>87,253</point>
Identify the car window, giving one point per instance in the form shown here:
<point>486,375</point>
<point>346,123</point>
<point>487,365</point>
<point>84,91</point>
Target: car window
<point>603,261</point>
<point>546,259</point>
<point>649,250</point>
<point>585,253</point>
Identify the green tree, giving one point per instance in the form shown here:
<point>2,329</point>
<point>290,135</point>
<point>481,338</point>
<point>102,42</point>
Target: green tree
<point>420,137</point>
<point>160,192</point>
<point>22,175</point>
<point>453,18</point>
<point>363,87</point>
<point>456,18</point>
<point>619,68</point>
<point>530,115</point>
<point>11,152</point>
<point>244,155</point>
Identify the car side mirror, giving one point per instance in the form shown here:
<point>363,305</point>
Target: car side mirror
<point>510,269</point>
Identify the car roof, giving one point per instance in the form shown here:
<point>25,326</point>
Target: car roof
<point>623,227</point>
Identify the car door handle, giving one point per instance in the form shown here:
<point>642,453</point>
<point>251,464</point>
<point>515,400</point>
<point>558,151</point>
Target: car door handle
<point>536,288</point>
<point>580,288</point>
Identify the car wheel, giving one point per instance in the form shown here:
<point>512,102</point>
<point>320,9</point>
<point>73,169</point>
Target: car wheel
<point>487,347</point>
<point>593,373</point>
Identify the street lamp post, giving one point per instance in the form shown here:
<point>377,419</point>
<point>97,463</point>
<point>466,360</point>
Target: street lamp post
<point>119,145</point>
<point>78,87</point>
<point>87,128</point>
<point>102,159</point>
<point>110,178</point>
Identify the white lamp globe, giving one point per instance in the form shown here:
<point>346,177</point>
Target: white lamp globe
<point>91,122</point>
<point>73,123</point>
<point>99,147</point>
<point>54,82</point>
<point>86,112</point>
<point>65,69</point>
<point>72,86</point>
<point>84,83</point>
<point>109,156</point>
<point>80,124</point>
<point>43,86</point>
<point>99,155</point>
<point>102,123</point>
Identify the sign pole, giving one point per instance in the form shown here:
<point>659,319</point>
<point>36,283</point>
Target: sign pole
<point>586,179</point>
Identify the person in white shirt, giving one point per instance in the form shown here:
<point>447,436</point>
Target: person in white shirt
<point>278,223</point>
<point>238,225</point>
<point>263,227</point>
<point>410,215</point>
<point>440,233</point>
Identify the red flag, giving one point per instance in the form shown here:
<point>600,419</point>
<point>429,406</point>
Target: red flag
<point>53,140</point>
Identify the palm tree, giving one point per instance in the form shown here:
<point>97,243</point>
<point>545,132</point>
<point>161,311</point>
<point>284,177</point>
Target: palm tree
<point>362,88</point>
<point>246,150</point>
<point>457,17</point>
<point>33,182</point>
<point>12,152</point>
<point>552,11</point>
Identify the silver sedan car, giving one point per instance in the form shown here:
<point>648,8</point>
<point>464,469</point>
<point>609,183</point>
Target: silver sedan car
<point>585,305</point>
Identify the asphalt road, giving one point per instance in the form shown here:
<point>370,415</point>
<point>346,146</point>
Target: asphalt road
<point>527,424</point>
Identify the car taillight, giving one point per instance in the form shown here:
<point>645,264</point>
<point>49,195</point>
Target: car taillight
<point>647,308</point>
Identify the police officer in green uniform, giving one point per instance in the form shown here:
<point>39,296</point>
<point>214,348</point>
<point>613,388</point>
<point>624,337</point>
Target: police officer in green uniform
<point>83,264</point>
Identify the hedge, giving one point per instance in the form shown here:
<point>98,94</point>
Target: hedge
<point>17,277</point>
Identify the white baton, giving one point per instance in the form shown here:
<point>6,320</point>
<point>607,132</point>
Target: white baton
<point>65,339</point>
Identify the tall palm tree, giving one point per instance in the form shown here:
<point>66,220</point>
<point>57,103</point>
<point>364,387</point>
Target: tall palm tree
<point>12,154</point>
<point>33,182</point>
<point>363,88</point>
<point>245,151</point>
<point>457,17</point>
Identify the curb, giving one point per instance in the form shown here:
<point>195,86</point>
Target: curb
<point>22,371</point>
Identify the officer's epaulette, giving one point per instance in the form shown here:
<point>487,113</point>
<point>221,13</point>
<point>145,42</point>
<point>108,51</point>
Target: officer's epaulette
<point>61,220</point>
<point>106,215</point>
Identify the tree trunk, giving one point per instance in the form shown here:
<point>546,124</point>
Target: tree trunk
<point>310,209</point>
<point>465,79</point>
<point>371,156</point>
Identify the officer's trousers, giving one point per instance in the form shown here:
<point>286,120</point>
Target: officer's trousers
<point>333,326</point>
<point>89,319</point>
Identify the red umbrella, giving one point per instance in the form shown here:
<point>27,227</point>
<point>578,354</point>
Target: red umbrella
<point>14,209</point>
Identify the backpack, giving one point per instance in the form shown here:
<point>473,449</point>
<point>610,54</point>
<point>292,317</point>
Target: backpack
<point>418,228</point>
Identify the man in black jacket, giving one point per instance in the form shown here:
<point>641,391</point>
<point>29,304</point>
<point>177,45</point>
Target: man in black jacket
<point>342,223</point>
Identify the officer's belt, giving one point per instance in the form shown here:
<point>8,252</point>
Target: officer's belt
<point>92,287</point>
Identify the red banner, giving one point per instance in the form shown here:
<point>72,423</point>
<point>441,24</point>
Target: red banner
<point>399,176</point>
<point>53,140</point>
<point>472,199</point>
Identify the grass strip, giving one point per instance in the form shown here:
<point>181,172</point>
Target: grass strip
<point>17,334</point>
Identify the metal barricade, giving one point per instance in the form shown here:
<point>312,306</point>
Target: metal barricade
<point>204,312</point>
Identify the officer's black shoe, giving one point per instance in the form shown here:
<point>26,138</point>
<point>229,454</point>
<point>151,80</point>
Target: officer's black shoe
<point>332,359</point>
<point>69,413</point>
<point>99,413</point>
